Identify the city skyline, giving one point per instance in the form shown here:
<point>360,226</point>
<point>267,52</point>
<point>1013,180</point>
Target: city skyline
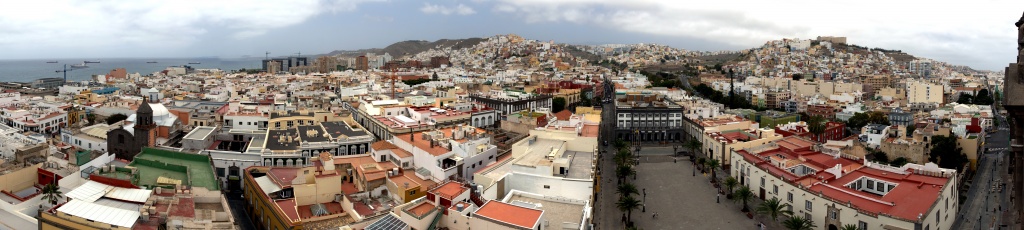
<point>84,29</point>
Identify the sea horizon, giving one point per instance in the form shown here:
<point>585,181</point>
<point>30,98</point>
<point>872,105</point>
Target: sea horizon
<point>27,70</point>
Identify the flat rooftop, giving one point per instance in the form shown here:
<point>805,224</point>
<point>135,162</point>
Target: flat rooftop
<point>338,128</point>
<point>199,133</point>
<point>312,133</point>
<point>580,164</point>
<point>539,150</point>
<point>555,212</point>
<point>274,140</point>
<point>194,169</point>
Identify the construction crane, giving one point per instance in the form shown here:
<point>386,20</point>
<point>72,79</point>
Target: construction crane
<point>393,78</point>
<point>65,71</point>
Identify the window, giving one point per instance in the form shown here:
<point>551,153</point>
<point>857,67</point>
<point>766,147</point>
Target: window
<point>547,186</point>
<point>789,197</point>
<point>807,205</point>
<point>861,225</point>
<point>220,172</point>
<point>807,216</point>
<point>775,189</point>
<point>413,192</point>
<point>762,182</point>
<point>833,214</point>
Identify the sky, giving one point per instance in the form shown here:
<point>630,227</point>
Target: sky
<point>976,33</point>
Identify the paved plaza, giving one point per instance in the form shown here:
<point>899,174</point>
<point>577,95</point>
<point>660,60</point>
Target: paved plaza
<point>682,201</point>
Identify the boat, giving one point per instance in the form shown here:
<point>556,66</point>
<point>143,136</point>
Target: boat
<point>92,62</point>
<point>194,63</point>
<point>51,62</point>
<point>150,62</point>
<point>80,66</point>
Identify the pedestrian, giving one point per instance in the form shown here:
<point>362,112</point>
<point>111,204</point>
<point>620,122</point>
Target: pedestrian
<point>645,192</point>
<point>718,198</point>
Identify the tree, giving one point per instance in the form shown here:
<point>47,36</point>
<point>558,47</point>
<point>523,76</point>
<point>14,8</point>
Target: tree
<point>620,144</point>
<point>816,125</point>
<point>52,193</point>
<point>850,227</point>
<point>627,204</point>
<point>965,99</point>
<point>910,130</point>
<point>627,189</point>
<point>878,117</point>
<point>730,183</point>
<point>693,146</point>
<point>947,153</point>
<point>774,208</point>
<point>743,194</point>
<point>983,98</point>
<point>115,118</point>
<point>898,162</point>
<point>712,164</point>
<point>798,223</point>
<point>879,156</point>
<point>623,157</point>
<point>857,121</point>
<point>91,118</point>
<point>557,104</point>
<point>624,171</point>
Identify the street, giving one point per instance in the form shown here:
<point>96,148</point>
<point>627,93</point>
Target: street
<point>987,198</point>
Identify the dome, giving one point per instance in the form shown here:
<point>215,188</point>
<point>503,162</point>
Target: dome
<point>159,110</point>
<point>153,90</point>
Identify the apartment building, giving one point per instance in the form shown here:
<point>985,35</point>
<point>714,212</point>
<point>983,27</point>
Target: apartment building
<point>834,131</point>
<point>718,144</point>
<point>873,83</point>
<point>510,101</point>
<point>924,92</point>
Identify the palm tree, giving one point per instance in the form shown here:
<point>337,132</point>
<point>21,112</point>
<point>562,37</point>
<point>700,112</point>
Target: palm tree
<point>624,157</point>
<point>730,183</point>
<point>774,207</point>
<point>626,189</point>
<point>624,171</point>
<point>798,223</point>
<point>693,145</point>
<point>619,144</point>
<point>816,125</point>
<point>52,194</point>
<point>627,204</point>
<point>713,163</point>
<point>850,227</point>
<point>700,164</point>
<point>743,195</point>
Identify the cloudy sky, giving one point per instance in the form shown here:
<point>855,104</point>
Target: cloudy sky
<point>976,33</point>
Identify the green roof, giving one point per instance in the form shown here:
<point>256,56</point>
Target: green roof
<point>191,169</point>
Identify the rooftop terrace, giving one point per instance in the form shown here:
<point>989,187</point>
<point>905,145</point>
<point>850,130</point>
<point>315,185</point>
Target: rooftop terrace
<point>192,169</point>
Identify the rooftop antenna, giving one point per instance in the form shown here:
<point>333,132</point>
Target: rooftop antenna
<point>266,56</point>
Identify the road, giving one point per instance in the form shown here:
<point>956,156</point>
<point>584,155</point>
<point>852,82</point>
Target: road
<point>987,197</point>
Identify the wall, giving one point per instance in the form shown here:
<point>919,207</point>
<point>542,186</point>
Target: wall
<point>20,179</point>
<point>557,187</point>
<point>327,187</point>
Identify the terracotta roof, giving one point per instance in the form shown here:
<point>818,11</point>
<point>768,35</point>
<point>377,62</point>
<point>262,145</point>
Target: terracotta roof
<point>564,115</point>
<point>449,190</point>
<point>510,214</point>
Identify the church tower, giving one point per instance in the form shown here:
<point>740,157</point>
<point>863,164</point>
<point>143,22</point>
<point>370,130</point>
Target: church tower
<point>144,129</point>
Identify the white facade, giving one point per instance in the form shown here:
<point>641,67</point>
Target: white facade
<point>923,92</point>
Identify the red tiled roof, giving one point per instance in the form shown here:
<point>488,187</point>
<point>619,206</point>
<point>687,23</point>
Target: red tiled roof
<point>449,190</point>
<point>563,115</point>
<point>511,214</point>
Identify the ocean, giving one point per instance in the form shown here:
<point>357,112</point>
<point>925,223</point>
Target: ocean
<point>29,70</point>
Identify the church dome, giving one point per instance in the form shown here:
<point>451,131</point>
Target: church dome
<point>159,110</point>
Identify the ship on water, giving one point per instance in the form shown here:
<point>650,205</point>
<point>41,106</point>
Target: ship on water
<point>194,63</point>
<point>87,62</point>
<point>151,62</point>
<point>80,66</point>
<point>51,62</point>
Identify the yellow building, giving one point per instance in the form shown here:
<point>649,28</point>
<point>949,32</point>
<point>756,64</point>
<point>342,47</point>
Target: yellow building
<point>275,197</point>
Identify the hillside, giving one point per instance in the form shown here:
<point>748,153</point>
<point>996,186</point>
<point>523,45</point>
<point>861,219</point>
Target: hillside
<point>411,47</point>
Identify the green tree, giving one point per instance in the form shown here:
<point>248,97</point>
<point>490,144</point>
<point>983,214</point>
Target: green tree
<point>693,146</point>
<point>965,99</point>
<point>52,193</point>
<point>947,152</point>
<point>627,189</point>
<point>898,162</point>
<point>910,130</point>
<point>743,194</point>
<point>624,171</point>
<point>878,117</point>
<point>557,104</point>
<point>857,121</point>
<point>880,156</point>
<point>983,98</point>
<point>712,164</point>
<point>774,208</point>
<point>798,223</point>
<point>624,157</point>
<point>115,118</point>
<point>850,227</point>
<point>627,204</point>
<point>816,125</point>
<point>730,183</point>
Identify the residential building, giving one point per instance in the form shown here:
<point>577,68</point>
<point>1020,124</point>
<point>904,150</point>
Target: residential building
<point>924,92</point>
<point>899,117</point>
<point>448,153</point>
<point>718,144</point>
<point>826,111</point>
<point>510,101</point>
<point>872,135</point>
